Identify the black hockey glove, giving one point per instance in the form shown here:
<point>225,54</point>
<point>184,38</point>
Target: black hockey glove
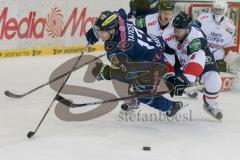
<point>101,71</point>
<point>91,37</point>
<point>179,84</point>
<point>169,80</point>
<point>222,65</point>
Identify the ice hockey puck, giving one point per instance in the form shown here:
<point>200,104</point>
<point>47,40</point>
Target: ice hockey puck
<point>124,107</point>
<point>30,134</point>
<point>145,148</point>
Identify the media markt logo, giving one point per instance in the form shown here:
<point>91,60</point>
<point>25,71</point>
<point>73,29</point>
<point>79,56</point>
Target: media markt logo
<point>53,25</point>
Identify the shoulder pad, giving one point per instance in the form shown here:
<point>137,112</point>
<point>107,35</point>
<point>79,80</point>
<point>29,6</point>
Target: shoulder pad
<point>121,12</point>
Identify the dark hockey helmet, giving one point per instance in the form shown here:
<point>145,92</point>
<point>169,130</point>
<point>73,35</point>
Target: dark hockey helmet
<point>167,5</point>
<point>145,6</point>
<point>107,21</point>
<point>182,20</point>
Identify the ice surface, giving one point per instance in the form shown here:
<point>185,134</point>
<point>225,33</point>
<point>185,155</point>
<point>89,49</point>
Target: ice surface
<point>108,137</point>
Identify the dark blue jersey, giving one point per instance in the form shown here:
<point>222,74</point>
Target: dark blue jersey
<point>134,44</point>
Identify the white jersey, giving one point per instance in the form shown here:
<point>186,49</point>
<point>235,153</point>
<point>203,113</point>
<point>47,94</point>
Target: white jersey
<point>153,25</point>
<point>196,66</point>
<point>219,36</point>
<point>193,54</point>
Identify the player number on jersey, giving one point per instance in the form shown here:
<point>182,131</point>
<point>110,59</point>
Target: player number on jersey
<point>140,37</point>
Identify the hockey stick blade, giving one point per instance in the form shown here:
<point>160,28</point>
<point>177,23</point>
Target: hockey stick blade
<point>12,95</point>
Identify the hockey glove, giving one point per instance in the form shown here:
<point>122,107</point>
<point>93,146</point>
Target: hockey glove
<point>101,71</point>
<point>179,84</point>
<point>169,80</point>
<point>91,37</point>
<point>222,65</point>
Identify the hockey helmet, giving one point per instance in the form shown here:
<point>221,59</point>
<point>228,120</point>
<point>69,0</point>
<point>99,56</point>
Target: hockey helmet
<point>182,21</point>
<point>143,7</point>
<point>219,9</point>
<point>167,5</point>
<point>107,21</point>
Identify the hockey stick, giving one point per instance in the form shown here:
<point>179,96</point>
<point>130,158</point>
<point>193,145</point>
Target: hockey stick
<point>30,133</point>
<point>70,104</point>
<point>13,95</point>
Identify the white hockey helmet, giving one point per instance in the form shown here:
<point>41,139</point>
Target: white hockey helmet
<point>219,9</point>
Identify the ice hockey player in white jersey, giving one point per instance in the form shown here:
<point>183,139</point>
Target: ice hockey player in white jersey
<point>159,22</point>
<point>196,60</point>
<point>220,31</point>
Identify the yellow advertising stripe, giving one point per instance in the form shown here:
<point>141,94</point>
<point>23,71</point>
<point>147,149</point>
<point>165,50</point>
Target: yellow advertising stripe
<point>48,51</point>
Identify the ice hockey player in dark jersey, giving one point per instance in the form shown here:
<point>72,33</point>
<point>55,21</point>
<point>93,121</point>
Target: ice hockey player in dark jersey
<point>124,44</point>
<point>196,60</point>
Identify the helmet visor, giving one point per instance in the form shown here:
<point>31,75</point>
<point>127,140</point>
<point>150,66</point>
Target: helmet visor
<point>103,35</point>
<point>96,31</point>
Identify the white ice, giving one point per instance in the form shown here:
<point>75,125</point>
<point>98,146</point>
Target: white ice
<point>108,137</point>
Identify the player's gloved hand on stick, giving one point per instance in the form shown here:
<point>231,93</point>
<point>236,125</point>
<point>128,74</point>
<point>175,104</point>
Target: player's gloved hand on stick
<point>91,37</point>
<point>101,71</point>
<point>179,84</point>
